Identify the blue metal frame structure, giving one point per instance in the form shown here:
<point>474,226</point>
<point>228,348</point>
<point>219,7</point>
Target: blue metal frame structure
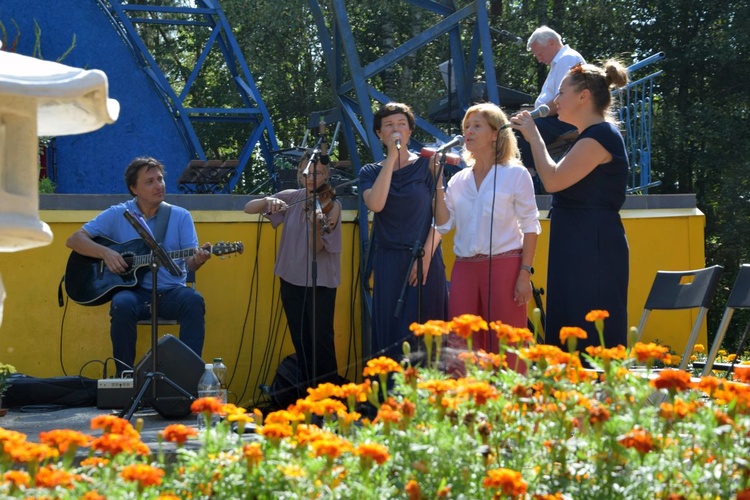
<point>355,96</point>
<point>207,15</point>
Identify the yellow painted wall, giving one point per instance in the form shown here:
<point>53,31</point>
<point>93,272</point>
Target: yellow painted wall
<point>245,321</point>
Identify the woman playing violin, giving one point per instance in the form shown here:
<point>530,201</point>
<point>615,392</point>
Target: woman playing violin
<point>306,221</point>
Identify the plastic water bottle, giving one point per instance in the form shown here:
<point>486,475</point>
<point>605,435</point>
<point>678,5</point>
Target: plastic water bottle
<point>208,387</point>
<point>220,370</point>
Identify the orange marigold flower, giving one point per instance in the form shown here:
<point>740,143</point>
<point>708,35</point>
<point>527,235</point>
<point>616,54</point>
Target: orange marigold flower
<point>63,439</point>
<point>252,453</point>
<point>25,452</point>
<point>114,444</point>
<point>145,475</point>
<point>356,391</point>
<point>388,414</point>
<point>544,352</point>
<point>598,414</point>
<point>285,416</point>
<point>412,489</point>
<point>381,366</point>
<point>275,431</point>
<point>50,477</point>
<point>638,439</point>
<point>650,352</point>
<point>607,354</point>
<point>466,324</point>
<point>510,482</point>
<point>94,495</point>
<point>434,327</point>
<point>331,447</point>
<point>743,495</point>
<point>567,332</point>
<point>673,380</point>
<point>113,424</point>
<point>479,391</point>
<point>206,405</point>
<point>699,348</point>
<point>19,478</point>
<point>376,452</point>
<point>742,373</point>
<point>178,433</point>
<point>94,462</point>
<point>323,391</point>
<point>596,315</point>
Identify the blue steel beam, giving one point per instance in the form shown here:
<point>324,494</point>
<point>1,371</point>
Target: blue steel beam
<point>208,14</point>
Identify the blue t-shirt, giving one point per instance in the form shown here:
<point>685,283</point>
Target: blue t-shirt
<point>180,235</point>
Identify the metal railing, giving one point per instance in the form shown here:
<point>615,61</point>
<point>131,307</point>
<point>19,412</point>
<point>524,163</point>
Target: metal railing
<point>635,112</point>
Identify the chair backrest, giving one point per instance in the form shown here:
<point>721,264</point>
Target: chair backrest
<point>739,298</point>
<point>683,290</point>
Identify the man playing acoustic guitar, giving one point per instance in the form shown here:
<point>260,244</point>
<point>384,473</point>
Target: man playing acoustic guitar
<point>172,227</point>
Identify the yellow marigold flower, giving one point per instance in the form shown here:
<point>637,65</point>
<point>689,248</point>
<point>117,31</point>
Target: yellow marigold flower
<point>567,332</point>
<point>207,405</point>
<point>253,453</point>
<point>178,433</point>
<point>722,352</point>
<point>699,348</point>
<point>674,380</point>
<point>64,439</point>
<point>50,477</point>
<point>292,471</point>
<point>508,481</point>
<point>168,497</point>
<point>7,436</point>
<point>596,315</point>
<point>381,366</point>
<point>731,357</point>
<point>680,409</point>
<point>375,452</point>
<point>466,324</point>
<point>18,478</point>
<point>412,489</point>
<point>114,425</point>
<point>285,416</point>
<point>145,475</point>
<point>638,439</point>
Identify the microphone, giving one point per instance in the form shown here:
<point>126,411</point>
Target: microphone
<point>397,135</point>
<point>450,158</point>
<point>456,142</point>
<point>539,112</point>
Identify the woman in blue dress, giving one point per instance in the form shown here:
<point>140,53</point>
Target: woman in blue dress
<point>399,191</point>
<point>588,250</point>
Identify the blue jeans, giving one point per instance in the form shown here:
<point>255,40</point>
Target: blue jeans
<point>181,303</point>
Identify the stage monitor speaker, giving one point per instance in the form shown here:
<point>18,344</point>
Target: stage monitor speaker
<point>179,364</point>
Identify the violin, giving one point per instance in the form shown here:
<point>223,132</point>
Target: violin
<point>324,204</point>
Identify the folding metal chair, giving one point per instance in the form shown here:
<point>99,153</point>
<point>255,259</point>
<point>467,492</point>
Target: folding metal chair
<point>739,298</point>
<point>682,290</point>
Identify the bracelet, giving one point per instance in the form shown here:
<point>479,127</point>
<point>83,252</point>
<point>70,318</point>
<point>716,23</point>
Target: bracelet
<point>530,269</point>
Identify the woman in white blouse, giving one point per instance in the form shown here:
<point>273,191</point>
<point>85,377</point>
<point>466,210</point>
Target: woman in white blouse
<point>492,206</point>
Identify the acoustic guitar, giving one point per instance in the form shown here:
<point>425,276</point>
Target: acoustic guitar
<point>89,282</point>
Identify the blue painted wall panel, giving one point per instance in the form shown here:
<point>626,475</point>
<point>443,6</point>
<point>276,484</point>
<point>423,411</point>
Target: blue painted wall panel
<point>94,163</point>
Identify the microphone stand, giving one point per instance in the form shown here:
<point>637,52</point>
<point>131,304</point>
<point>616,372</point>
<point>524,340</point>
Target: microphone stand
<point>158,257</point>
<point>313,161</point>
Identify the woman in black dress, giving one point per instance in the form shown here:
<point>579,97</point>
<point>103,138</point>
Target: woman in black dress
<point>588,250</point>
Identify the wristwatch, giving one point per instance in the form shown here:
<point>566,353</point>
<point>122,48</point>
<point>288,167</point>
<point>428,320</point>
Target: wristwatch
<point>527,268</point>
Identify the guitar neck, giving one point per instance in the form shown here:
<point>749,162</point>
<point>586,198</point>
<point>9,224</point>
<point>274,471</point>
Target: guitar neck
<point>144,260</point>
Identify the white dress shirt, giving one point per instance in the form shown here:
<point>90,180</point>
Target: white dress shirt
<point>470,210</point>
<point>565,59</point>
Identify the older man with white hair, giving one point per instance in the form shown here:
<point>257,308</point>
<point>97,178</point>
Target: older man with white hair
<point>547,46</point>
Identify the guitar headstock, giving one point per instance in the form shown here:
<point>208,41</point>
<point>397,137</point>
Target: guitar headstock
<point>226,248</point>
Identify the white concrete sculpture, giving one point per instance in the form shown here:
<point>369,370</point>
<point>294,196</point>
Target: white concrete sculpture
<point>48,99</point>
